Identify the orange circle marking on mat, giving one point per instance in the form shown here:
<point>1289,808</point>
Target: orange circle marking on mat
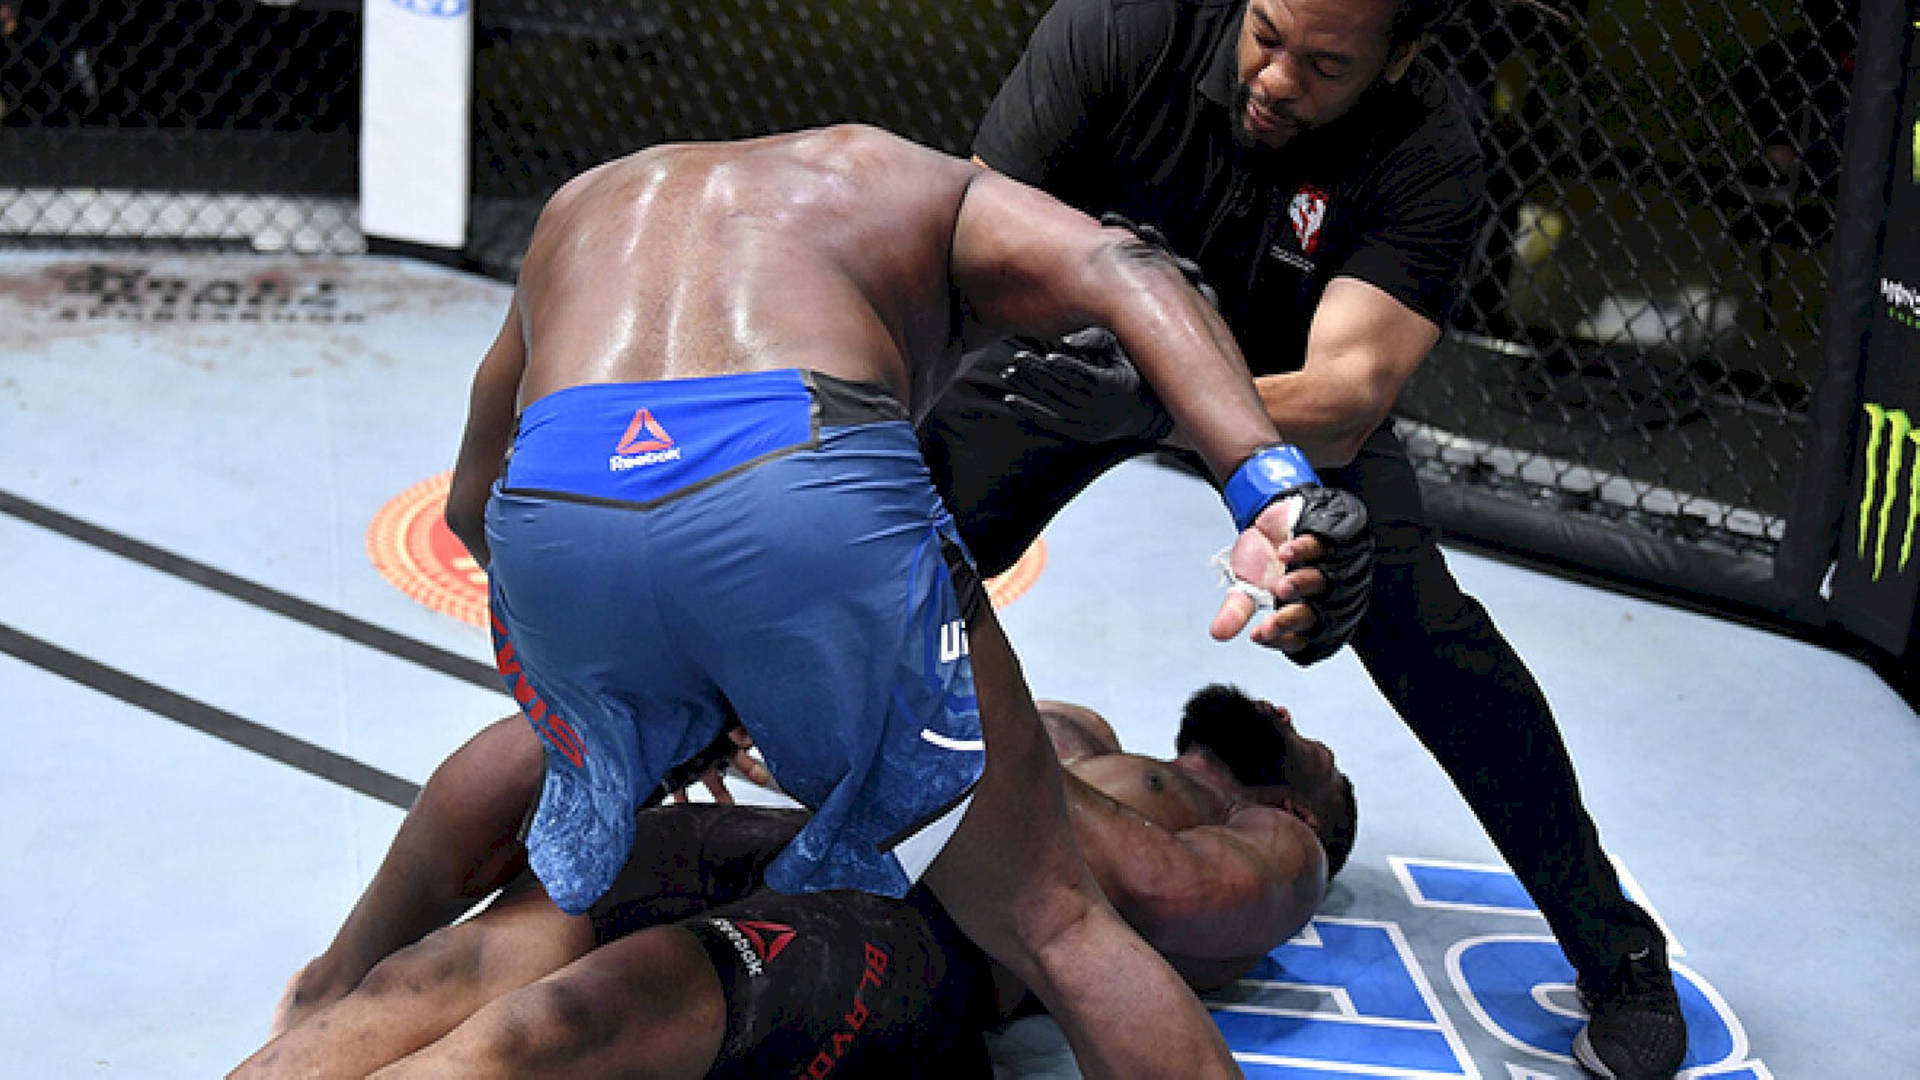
<point>411,546</point>
<point>1007,587</point>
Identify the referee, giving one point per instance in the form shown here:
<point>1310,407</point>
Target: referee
<point>1329,188</point>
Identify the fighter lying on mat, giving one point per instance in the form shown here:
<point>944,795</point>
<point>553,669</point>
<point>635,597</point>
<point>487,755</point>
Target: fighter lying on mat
<point>1213,864</point>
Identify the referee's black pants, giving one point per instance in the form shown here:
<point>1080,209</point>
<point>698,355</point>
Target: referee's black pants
<point>1430,648</point>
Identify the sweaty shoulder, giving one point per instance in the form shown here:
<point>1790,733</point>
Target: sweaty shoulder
<point>883,179</point>
<point>865,145</point>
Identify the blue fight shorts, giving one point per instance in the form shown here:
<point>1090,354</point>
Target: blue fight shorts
<point>669,557</point>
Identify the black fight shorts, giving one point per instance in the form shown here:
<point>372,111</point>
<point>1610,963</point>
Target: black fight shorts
<point>837,983</point>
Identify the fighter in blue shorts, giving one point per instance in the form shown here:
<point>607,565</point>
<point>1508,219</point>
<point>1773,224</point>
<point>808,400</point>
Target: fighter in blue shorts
<point>826,581</point>
<point>714,508</point>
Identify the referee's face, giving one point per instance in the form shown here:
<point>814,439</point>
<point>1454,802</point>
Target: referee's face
<point>1303,63</point>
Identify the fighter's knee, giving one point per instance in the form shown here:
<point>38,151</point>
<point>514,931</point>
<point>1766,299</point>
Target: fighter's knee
<point>431,964</point>
<point>651,1003</point>
<point>506,1036</point>
<point>549,1022</point>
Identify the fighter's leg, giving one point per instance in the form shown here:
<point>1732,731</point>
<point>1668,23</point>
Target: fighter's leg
<point>1015,882</point>
<point>648,1005</point>
<point>455,847</point>
<point>421,992</point>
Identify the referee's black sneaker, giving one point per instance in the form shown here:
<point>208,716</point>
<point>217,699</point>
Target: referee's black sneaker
<point>1634,1029</point>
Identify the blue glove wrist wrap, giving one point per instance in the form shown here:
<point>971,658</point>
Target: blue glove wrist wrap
<point>1272,471</point>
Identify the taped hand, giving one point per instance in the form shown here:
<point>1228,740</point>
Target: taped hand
<point>1305,546</point>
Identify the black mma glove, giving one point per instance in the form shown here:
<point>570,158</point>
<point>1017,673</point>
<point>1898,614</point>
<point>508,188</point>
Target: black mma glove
<point>1152,235</point>
<point>1337,517</point>
<point>1085,388</point>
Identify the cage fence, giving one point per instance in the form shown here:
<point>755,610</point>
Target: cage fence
<point>1637,331</point>
<point>227,123</point>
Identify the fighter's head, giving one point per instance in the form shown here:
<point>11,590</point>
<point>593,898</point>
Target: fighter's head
<point>1256,742</point>
<point>1304,63</point>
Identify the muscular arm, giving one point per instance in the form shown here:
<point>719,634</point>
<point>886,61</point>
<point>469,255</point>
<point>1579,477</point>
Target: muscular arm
<point>1211,897</point>
<point>1029,264</point>
<point>490,416</point>
<point>1362,348</point>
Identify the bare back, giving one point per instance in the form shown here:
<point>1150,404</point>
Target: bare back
<point>844,250</point>
<point>823,249</point>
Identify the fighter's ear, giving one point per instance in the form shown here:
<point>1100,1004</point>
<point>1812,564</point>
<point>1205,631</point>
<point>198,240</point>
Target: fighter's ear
<point>1400,58</point>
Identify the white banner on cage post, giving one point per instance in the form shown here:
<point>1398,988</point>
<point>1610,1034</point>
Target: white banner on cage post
<point>416,81</point>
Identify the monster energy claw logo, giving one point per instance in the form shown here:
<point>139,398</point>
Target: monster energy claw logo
<point>1890,433</point>
<point>1903,302</point>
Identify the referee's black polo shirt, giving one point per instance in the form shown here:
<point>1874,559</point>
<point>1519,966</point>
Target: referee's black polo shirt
<point>1128,105</point>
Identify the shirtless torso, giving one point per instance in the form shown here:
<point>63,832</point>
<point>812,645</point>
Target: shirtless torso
<point>806,263</point>
<point>1210,875</point>
<point>844,250</point>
